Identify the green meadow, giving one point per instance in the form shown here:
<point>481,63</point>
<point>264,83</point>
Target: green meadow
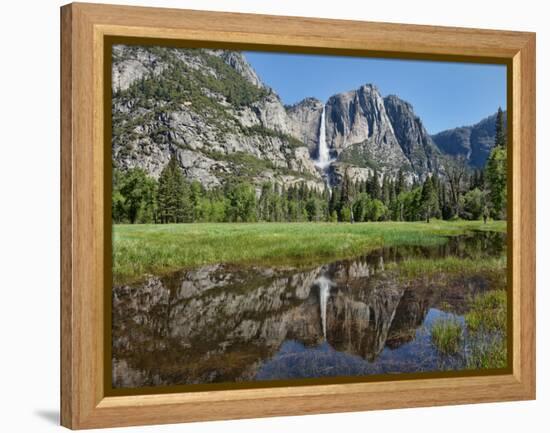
<point>141,249</point>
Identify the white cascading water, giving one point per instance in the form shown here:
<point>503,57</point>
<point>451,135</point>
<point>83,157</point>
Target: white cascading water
<point>323,154</point>
<point>324,293</point>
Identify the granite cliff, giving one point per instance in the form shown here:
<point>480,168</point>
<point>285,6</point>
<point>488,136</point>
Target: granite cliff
<point>472,142</point>
<point>212,111</point>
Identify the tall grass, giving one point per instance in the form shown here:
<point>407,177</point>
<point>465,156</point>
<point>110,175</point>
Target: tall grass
<point>487,325</point>
<point>415,267</point>
<point>482,336</point>
<point>447,335</point>
<point>156,249</point>
<point>488,312</point>
<point>488,354</point>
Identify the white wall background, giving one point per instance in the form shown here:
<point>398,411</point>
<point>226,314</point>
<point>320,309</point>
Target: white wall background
<point>29,215</point>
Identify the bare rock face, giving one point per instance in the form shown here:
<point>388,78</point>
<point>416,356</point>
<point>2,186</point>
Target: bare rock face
<point>454,142</point>
<point>338,170</point>
<point>271,113</point>
<point>359,130</point>
<point>473,142</point>
<point>416,143</point>
<point>236,60</point>
<point>210,109</point>
<point>356,116</point>
<point>304,120</point>
<point>131,64</point>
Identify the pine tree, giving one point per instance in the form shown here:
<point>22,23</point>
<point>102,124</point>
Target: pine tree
<point>436,212</point>
<point>496,171</point>
<point>283,205</point>
<point>263,204</point>
<point>428,199</point>
<point>344,193</point>
<point>496,177</point>
<point>446,211</point>
<point>500,138</point>
<point>364,187</point>
<point>334,202</point>
<point>473,180</point>
<point>173,197</point>
<point>326,201</point>
<point>195,194</point>
<point>385,195</point>
<point>481,180</point>
<point>374,187</point>
<point>393,195</point>
<point>400,184</point>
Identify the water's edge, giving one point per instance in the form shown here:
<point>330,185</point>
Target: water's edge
<point>223,323</point>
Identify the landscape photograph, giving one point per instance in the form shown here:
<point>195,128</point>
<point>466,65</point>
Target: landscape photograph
<point>283,217</point>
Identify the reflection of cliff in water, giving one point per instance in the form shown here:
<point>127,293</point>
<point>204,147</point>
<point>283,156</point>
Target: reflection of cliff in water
<point>221,323</point>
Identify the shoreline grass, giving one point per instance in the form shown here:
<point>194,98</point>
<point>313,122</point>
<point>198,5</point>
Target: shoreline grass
<point>447,335</point>
<point>414,267</point>
<point>482,335</point>
<point>488,312</point>
<point>487,325</point>
<point>491,354</point>
<point>139,250</point>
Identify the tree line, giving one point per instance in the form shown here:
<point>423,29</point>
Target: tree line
<point>456,192</point>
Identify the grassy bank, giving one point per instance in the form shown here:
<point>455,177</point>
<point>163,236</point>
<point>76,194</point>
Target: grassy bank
<point>447,335</point>
<point>486,322</point>
<point>414,268</point>
<point>485,339</point>
<point>158,249</point>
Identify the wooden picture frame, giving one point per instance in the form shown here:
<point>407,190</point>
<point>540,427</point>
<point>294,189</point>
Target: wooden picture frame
<point>84,225</point>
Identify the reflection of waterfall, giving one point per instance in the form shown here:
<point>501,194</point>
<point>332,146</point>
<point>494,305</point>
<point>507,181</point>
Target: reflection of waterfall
<point>324,292</point>
<point>323,154</point>
<point>162,332</point>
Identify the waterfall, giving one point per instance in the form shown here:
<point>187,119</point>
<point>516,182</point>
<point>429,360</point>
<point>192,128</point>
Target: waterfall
<point>324,293</point>
<point>323,154</point>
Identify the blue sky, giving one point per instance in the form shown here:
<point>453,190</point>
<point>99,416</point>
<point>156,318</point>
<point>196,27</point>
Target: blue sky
<point>444,94</point>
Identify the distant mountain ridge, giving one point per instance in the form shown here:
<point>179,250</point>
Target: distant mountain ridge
<point>212,111</point>
<point>473,142</point>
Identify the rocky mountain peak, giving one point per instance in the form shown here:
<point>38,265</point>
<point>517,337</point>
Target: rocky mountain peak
<point>360,134</point>
<point>472,142</point>
<point>369,88</point>
<point>356,116</point>
<point>397,102</point>
<point>309,102</point>
<point>211,110</point>
<point>238,61</point>
<point>304,120</point>
<point>413,138</point>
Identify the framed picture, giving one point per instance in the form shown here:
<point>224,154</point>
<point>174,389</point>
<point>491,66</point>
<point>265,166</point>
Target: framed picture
<point>265,215</point>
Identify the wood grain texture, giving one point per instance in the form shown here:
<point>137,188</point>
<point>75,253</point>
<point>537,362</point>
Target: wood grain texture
<point>524,109</point>
<point>67,394</point>
<point>83,229</point>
